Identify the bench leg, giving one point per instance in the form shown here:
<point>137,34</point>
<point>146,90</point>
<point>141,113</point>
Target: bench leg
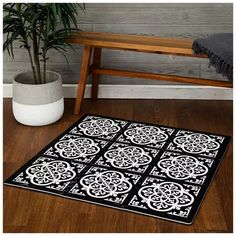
<point>95,76</point>
<point>83,78</point>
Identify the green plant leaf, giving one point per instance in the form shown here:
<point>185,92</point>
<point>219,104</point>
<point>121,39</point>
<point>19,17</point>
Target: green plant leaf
<point>49,25</point>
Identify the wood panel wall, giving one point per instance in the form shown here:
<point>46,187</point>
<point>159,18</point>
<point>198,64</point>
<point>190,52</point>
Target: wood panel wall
<point>188,20</point>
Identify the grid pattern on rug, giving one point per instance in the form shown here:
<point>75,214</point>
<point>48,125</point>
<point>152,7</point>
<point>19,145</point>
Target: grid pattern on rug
<point>144,168</point>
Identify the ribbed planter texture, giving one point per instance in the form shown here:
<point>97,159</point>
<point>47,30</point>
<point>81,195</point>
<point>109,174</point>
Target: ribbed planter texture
<point>37,104</point>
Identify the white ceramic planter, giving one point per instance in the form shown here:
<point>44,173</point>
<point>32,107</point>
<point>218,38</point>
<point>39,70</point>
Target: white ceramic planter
<point>37,104</point>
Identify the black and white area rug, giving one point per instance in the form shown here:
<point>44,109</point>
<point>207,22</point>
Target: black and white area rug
<point>144,168</point>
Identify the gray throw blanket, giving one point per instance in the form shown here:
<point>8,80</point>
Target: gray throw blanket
<point>219,48</point>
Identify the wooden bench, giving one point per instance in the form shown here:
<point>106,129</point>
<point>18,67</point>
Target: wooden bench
<point>97,41</point>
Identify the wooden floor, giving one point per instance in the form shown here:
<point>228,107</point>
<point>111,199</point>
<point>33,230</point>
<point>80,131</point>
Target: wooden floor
<point>29,211</point>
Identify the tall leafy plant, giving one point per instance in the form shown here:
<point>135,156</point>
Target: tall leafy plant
<point>39,27</point>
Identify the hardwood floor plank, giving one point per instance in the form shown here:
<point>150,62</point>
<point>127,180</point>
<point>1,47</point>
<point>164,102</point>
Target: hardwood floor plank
<point>28,211</point>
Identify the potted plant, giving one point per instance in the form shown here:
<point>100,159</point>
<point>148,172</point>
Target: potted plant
<point>37,94</point>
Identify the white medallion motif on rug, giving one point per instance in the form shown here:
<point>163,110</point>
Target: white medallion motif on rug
<point>99,127</point>
<point>76,148</point>
<point>202,144</point>
<point>165,196</point>
<point>146,135</point>
<point>182,167</point>
<point>104,184</point>
<point>53,172</point>
<point>127,157</point>
<point>196,143</point>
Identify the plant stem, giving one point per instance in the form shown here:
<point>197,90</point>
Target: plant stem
<point>36,56</point>
<point>44,71</point>
<point>32,66</point>
<point>25,38</point>
<point>36,46</point>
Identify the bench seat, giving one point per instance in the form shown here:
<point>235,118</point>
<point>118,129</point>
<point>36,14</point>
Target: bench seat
<point>151,44</point>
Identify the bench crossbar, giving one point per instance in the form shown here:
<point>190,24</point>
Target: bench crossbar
<point>175,78</point>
